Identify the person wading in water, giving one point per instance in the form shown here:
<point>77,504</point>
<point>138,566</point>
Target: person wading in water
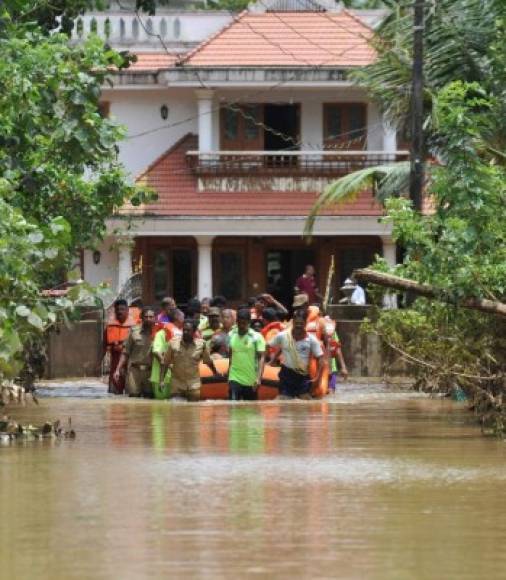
<point>247,356</point>
<point>137,354</point>
<point>297,347</point>
<point>116,333</point>
<point>183,356</point>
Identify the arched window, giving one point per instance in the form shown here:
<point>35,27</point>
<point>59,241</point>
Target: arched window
<point>93,26</point>
<point>122,28</point>
<point>149,26</point>
<point>107,28</point>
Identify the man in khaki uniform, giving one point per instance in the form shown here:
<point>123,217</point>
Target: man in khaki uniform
<point>183,356</point>
<point>137,354</point>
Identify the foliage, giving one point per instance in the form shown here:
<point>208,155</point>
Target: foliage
<point>60,177</point>
<point>60,14</point>
<point>385,180</point>
<point>461,250</point>
<point>57,153</point>
<point>459,41</point>
<point>26,251</point>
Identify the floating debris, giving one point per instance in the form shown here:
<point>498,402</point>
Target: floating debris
<point>12,431</point>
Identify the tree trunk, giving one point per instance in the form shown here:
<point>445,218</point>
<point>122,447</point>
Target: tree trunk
<point>381,279</point>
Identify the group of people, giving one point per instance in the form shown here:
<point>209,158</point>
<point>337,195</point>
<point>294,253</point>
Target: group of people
<point>170,344</point>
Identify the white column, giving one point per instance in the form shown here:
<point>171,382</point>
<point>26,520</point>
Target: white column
<point>124,262</point>
<point>205,267</point>
<point>205,119</point>
<point>390,255</point>
<point>389,137</point>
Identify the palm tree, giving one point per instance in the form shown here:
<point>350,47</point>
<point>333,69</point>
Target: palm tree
<point>464,40</point>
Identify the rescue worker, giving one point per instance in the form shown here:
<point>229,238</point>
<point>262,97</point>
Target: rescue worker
<point>183,356</point>
<point>136,356</point>
<point>247,357</point>
<point>315,324</point>
<point>213,324</point>
<point>297,346</point>
<point>116,333</point>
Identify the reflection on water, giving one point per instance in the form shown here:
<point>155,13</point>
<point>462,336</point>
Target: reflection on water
<point>369,484</point>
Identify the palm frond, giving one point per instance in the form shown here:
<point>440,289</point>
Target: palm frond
<point>384,180</point>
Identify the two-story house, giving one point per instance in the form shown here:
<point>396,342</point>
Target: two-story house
<point>238,126</point>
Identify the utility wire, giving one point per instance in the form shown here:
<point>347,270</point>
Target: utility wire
<point>238,109</point>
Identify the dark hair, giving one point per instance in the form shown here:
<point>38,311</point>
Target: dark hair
<point>193,306</point>
<point>251,301</point>
<point>300,315</point>
<point>244,314</point>
<point>219,301</point>
<point>120,302</point>
<point>146,309</point>
<point>270,314</point>
<point>191,321</point>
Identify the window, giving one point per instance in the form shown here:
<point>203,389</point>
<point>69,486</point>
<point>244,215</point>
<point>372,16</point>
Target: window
<point>230,124</point>
<point>173,274</point>
<point>345,125</point>
<point>240,129</point>
<point>161,274</point>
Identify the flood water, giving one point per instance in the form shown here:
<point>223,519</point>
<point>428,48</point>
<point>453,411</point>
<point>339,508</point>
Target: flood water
<point>368,485</point>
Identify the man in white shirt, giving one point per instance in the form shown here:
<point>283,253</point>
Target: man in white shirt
<point>358,296</point>
<point>297,347</point>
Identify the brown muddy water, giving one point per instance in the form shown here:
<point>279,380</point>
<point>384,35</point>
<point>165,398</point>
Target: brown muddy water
<point>370,484</point>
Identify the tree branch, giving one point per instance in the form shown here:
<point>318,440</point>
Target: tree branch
<point>398,283</point>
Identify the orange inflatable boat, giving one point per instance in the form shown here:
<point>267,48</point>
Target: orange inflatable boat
<point>216,387</point>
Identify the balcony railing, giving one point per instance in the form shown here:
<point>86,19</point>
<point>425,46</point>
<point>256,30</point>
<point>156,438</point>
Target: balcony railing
<point>289,163</point>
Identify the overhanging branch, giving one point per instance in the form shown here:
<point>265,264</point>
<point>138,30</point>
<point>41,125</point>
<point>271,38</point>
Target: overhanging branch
<point>398,283</point>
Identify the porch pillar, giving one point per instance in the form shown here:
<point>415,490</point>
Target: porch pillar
<point>390,256</point>
<point>389,137</point>
<point>125,246</point>
<point>205,266</point>
<point>205,119</point>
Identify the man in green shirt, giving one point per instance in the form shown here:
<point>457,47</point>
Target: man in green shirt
<point>247,357</point>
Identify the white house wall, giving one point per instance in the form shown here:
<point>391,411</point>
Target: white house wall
<point>139,111</point>
<point>311,102</point>
<point>107,269</point>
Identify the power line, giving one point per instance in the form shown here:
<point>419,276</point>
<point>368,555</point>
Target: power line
<point>238,109</point>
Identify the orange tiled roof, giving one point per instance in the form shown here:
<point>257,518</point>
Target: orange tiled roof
<point>287,39</point>
<point>152,61</point>
<point>178,194</point>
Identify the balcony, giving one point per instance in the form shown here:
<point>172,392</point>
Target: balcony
<point>316,164</point>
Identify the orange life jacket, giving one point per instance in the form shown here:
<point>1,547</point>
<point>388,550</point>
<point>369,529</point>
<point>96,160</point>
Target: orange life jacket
<point>313,322</point>
<point>270,330</point>
<point>116,331</point>
<point>135,314</point>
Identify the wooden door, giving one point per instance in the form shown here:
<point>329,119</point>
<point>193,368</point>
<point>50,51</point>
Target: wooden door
<point>241,128</point>
<point>345,126</point>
